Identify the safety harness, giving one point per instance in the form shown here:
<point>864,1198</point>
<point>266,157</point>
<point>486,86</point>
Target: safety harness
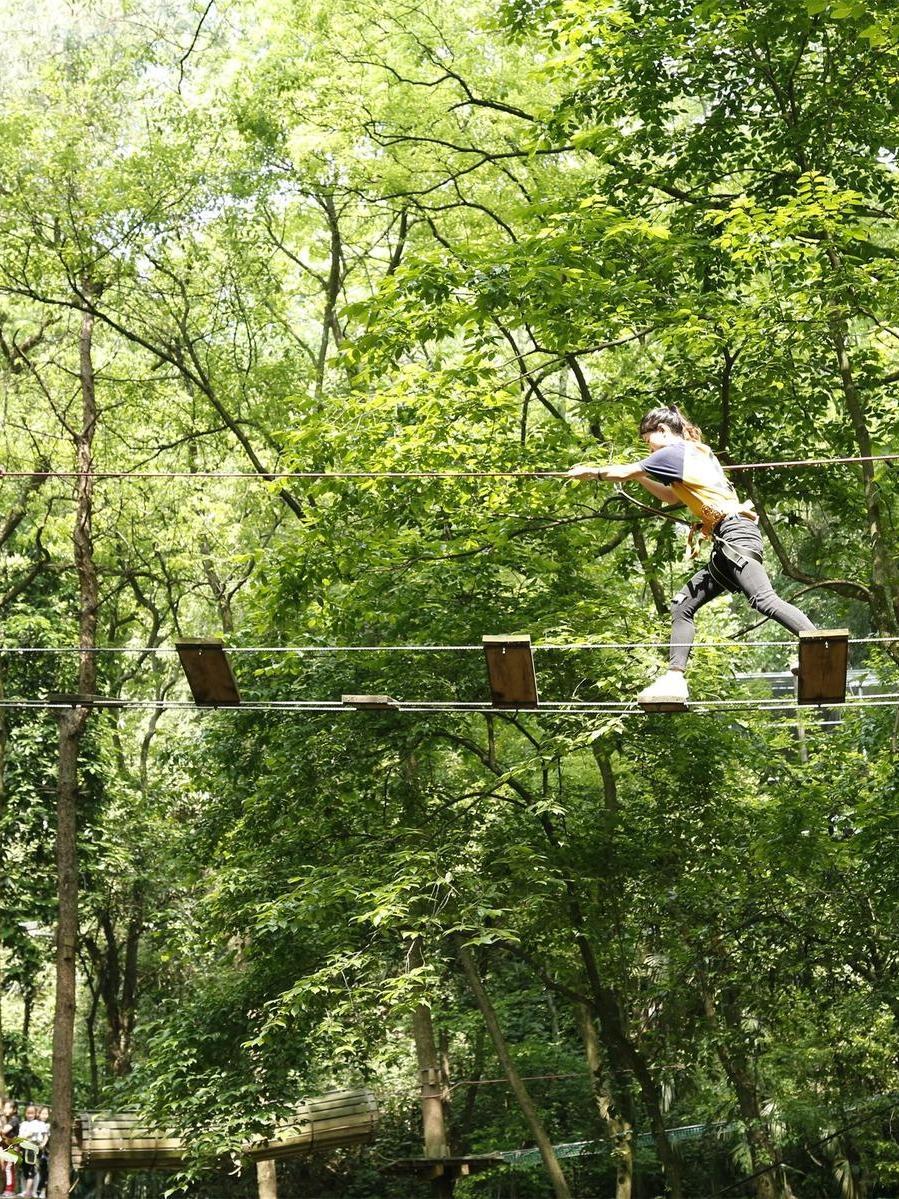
<point>735,557</point>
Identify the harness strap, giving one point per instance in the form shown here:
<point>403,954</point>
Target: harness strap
<point>736,558</point>
<point>660,513</point>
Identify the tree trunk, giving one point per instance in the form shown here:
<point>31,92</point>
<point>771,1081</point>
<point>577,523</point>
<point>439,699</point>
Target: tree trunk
<point>128,1004</point>
<point>769,1183</point>
<point>607,774</point>
<point>463,1125</point>
<point>91,1027</point>
<point>27,1011</point>
<point>3,1090</point>
<point>71,728</point>
<point>60,1152</point>
<point>625,1058</point>
<point>626,1063</point>
<point>519,1090</point>
<point>649,571</point>
<point>883,572</point>
<point>330,327</point>
<point>116,969</point>
<point>618,1131</point>
<point>623,1055</point>
<point>217,586</point>
<point>433,1113</point>
<point>267,1180</point>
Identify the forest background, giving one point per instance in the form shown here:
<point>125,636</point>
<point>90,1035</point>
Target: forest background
<point>287,237</point>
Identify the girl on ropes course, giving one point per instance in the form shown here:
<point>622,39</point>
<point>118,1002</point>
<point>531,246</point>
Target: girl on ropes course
<point>681,469</point>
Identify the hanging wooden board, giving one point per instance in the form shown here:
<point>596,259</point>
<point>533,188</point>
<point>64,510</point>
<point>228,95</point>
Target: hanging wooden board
<point>510,670</point>
<point>208,669</point>
<point>76,699</point>
<point>823,662</point>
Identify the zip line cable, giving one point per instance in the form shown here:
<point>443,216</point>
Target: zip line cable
<point>280,476</point>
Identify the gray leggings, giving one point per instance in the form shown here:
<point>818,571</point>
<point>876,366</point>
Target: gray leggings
<point>722,575</point>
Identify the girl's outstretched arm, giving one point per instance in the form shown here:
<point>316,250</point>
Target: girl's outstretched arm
<point>611,472</point>
<point>615,472</point>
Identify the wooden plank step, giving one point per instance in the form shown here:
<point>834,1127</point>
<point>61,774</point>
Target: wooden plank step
<point>665,705</point>
<point>136,1144</point>
<point>349,1103</point>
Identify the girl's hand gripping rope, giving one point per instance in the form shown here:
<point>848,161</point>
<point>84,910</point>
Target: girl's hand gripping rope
<point>612,472</point>
<point>586,472</point>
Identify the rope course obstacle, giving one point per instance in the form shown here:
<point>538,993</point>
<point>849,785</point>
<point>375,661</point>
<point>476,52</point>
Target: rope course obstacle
<point>208,670</point>
<point>511,676</point>
<point>531,1156</point>
<point>122,1141</point>
<point>823,656</point>
<point>823,665</point>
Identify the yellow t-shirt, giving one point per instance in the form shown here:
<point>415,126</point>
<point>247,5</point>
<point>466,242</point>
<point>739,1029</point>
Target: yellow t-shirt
<point>695,476</point>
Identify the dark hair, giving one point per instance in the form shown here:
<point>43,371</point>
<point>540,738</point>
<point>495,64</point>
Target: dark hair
<point>670,418</point>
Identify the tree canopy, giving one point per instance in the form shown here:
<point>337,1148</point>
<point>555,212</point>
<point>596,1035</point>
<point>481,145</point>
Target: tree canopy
<point>304,311</point>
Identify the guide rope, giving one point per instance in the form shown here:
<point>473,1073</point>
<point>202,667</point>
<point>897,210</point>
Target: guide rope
<point>278,476</point>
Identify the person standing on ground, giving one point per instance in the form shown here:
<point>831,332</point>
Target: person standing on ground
<point>43,1157</point>
<point>9,1131</point>
<point>31,1132</point>
<point>681,469</point>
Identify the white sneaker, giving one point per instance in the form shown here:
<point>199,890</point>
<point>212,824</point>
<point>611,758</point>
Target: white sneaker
<point>668,688</point>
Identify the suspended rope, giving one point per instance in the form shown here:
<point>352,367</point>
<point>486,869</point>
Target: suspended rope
<point>813,462</point>
<point>278,476</point>
<point>545,647</point>
<point>504,1082</point>
<point>551,707</point>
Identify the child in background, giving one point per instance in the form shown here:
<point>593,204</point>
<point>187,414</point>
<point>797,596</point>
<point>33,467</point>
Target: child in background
<point>43,1158</point>
<point>9,1131</point>
<point>31,1136</point>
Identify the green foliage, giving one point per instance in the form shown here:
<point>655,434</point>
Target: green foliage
<point>484,241</point>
